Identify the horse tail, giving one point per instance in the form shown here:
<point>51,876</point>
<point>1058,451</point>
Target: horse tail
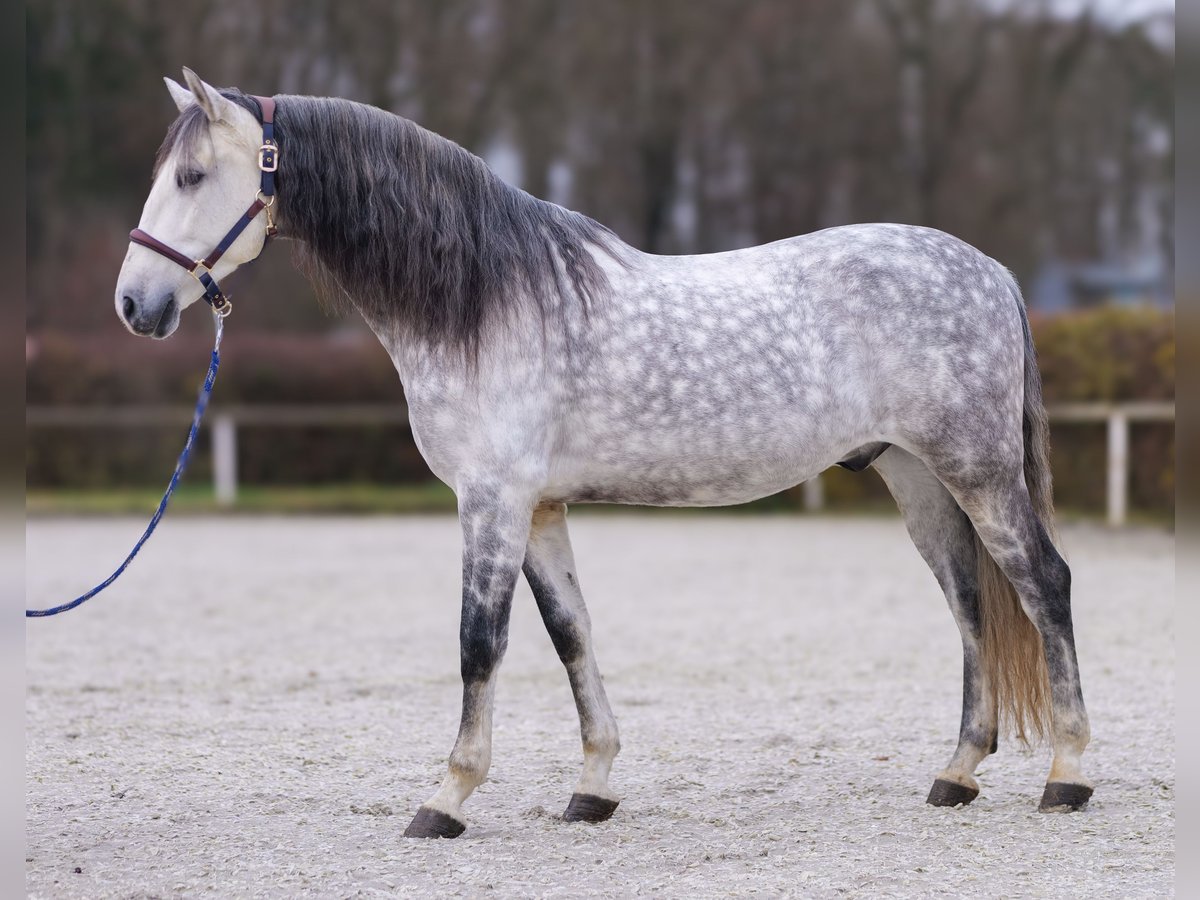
<point>1011,647</point>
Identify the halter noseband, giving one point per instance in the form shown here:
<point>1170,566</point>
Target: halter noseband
<point>201,269</point>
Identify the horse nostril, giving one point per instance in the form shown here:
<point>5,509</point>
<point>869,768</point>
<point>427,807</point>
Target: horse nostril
<point>128,309</point>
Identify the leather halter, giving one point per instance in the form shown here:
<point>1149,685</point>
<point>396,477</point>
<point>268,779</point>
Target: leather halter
<point>201,269</point>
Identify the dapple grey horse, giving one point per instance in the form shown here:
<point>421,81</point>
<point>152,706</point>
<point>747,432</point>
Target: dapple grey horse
<point>545,363</point>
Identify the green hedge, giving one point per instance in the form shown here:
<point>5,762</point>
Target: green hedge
<point>1110,354</point>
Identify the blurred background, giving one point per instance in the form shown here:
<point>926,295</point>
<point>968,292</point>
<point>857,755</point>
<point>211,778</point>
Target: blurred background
<point>1041,131</point>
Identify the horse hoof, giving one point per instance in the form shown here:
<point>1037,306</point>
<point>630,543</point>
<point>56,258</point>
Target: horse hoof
<point>589,808</point>
<point>432,823</point>
<point>950,793</point>
<point>1060,796</point>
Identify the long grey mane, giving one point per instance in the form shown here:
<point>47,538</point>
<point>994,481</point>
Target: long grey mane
<point>412,229</point>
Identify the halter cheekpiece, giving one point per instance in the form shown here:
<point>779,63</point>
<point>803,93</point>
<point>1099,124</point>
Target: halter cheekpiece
<point>201,269</point>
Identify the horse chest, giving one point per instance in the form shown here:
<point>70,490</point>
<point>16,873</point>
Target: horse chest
<point>476,427</point>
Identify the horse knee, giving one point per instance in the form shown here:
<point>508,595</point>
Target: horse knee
<point>564,623</point>
<point>483,636</point>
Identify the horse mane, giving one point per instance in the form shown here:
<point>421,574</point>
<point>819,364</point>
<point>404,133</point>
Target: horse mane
<point>410,228</point>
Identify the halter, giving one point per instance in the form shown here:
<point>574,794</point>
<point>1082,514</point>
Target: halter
<point>201,269</point>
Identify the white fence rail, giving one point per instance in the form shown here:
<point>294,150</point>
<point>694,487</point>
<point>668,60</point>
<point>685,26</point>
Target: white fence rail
<point>226,421</point>
<point>1118,416</point>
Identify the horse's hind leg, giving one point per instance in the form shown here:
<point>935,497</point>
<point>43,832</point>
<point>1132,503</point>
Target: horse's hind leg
<point>550,570</point>
<point>944,537</point>
<point>1005,519</point>
<point>495,527</point>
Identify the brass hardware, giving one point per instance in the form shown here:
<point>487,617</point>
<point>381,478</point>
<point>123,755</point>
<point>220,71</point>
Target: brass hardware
<point>268,147</point>
<point>267,203</point>
<point>220,304</point>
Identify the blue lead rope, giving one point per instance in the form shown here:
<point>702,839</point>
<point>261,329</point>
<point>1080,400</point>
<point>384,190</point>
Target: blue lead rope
<point>201,405</point>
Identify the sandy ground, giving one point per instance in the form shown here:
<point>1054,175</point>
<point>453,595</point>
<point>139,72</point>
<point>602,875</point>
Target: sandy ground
<point>260,705</point>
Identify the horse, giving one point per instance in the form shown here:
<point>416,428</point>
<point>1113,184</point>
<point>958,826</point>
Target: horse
<point>545,362</point>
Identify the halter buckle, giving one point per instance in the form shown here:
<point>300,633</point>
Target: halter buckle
<point>268,156</point>
<point>220,303</point>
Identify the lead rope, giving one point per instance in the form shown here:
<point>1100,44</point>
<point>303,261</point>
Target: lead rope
<point>180,466</point>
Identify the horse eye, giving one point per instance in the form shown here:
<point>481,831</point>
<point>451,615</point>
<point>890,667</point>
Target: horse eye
<point>188,179</point>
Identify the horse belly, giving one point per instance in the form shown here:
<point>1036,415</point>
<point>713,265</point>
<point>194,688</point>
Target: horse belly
<point>717,463</point>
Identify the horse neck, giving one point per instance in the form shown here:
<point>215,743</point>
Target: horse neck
<point>418,234</point>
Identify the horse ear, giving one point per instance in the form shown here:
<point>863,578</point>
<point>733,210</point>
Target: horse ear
<point>214,105</point>
<point>182,96</point>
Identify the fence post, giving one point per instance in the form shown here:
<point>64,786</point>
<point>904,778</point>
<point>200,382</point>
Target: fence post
<point>814,494</point>
<point>225,459</point>
<point>1118,466</point>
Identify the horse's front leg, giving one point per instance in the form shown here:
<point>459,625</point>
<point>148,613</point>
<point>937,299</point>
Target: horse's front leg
<point>551,573</point>
<point>495,526</point>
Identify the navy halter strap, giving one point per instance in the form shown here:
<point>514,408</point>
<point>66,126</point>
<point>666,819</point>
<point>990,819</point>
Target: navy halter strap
<point>268,161</point>
<point>201,269</point>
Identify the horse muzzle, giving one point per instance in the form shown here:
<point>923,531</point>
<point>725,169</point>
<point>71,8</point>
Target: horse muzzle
<point>149,318</point>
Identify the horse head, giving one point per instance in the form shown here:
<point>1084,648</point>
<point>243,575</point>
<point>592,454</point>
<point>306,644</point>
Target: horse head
<point>207,170</point>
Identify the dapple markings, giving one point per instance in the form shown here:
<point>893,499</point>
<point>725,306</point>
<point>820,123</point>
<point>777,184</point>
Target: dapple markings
<point>545,362</point>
